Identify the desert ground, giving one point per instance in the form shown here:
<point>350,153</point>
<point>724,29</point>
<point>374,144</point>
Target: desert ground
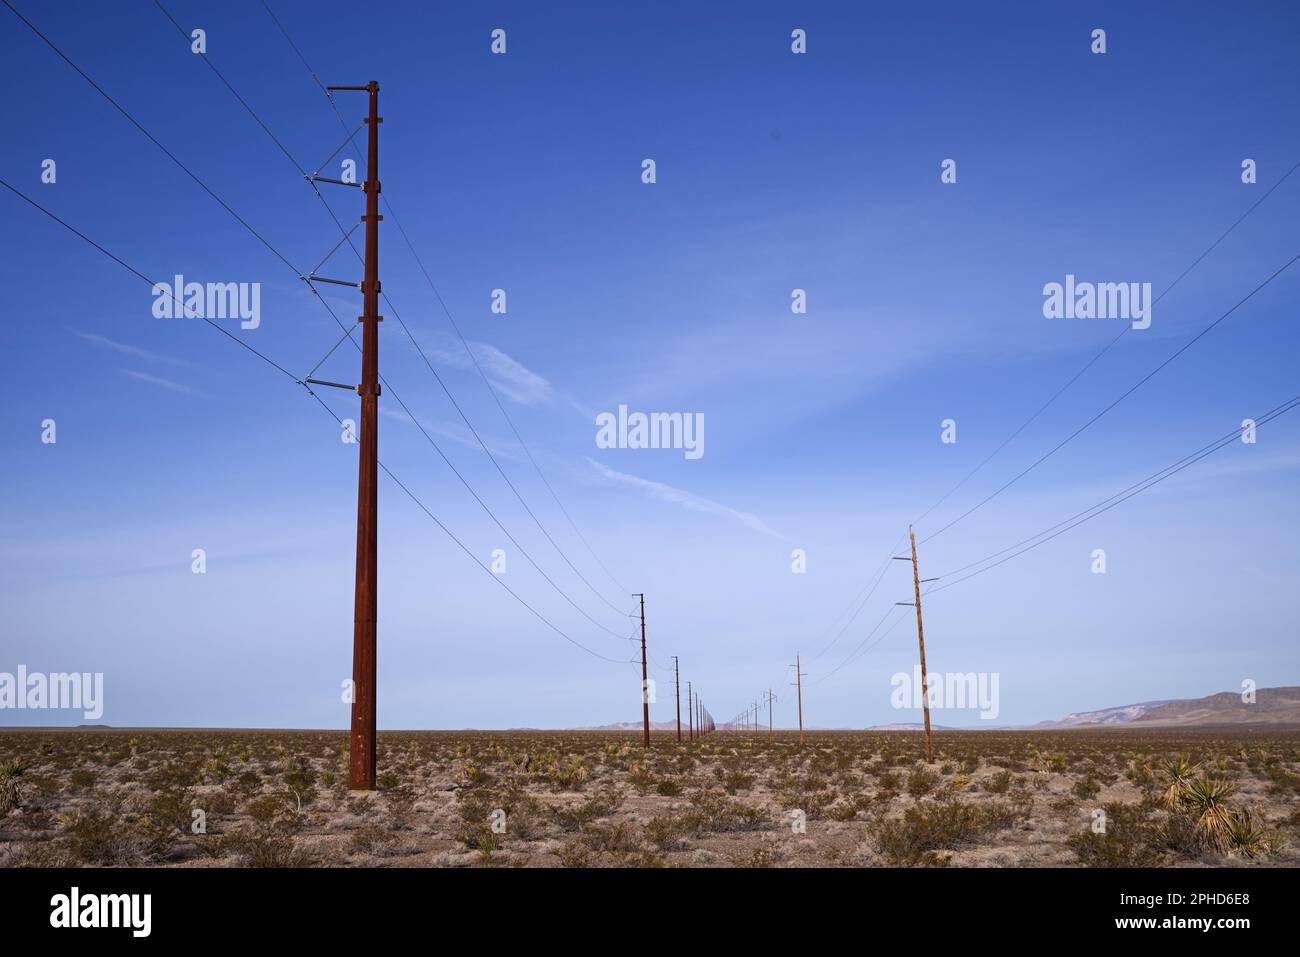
<point>1094,798</point>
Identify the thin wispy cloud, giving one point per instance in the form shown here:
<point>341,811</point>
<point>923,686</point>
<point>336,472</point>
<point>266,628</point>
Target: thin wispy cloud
<point>687,500</point>
<point>450,431</point>
<point>126,349</point>
<point>508,376</point>
<point>161,382</point>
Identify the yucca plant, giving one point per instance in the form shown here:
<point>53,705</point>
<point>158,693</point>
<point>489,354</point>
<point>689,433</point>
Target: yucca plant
<point>1179,773</point>
<point>10,772</point>
<point>1207,799</point>
<point>1247,838</point>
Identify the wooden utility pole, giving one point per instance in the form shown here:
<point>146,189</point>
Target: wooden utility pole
<point>798,683</point>
<point>645,681</point>
<point>920,637</point>
<point>690,709</point>
<point>361,767</point>
<point>677,681</point>
<point>769,714</point>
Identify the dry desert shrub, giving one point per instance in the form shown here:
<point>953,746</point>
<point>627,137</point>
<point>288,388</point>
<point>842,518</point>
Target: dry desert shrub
<point>714,813</point>
<point>101,838</point>
<point>1128,840</point>
<point>765,854</point>
<point>925,829</point>
<point>921,782</point>
<point>371,838</point>
<point>574,817</point>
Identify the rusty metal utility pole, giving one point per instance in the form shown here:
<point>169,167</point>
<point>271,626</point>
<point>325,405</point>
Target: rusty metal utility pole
<point>361,770</point>
<point>645,681</point>
<point>677,681</point>
<point>920,637</point>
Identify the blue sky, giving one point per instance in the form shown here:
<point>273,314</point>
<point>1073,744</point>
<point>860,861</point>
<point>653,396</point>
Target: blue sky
<point>775,171</point>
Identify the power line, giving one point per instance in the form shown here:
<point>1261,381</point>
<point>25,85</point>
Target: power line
<point>1108,503</point>
<point>420,349</point>
<point>1177,352</point>
<point>78,233</point>
<point>1106,348</point>
<point>1064,526</point>
<point>861,601</point>
<point>1187,345</point>
<point>172,156</point>
<point>455,404</point>
<point>473,359</point>
<point>280,368</point>
<point>233,92</point>
<point>879,576</point>
<point>851,655</point>
<point>1235,433</point>
<point>274,251</point>
<point>496,578</point>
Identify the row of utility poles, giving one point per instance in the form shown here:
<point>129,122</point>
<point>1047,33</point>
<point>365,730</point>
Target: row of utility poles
<point>361,766</point>
<point>361,771</point>
<point>698,720</point>
<point>749,718</point>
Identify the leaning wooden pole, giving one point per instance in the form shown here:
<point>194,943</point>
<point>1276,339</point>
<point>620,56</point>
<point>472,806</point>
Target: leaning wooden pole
<point>920,638</point>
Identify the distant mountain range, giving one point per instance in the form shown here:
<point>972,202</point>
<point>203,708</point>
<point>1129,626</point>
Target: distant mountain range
<point>1121,715</point>
<point>1272,707</point>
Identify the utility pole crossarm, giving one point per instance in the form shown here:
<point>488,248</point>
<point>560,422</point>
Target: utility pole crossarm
<point>335,182</point>
<point>335,282</point>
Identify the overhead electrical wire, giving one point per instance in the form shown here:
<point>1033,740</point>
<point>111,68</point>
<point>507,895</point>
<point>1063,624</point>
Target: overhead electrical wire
<point>1107,504</point>
<point>265,242</point>
<point>284,371</point>
<point>348,335</point>
<point>1133,388</point>
<point>1195,262</point>
<point>465,345</point>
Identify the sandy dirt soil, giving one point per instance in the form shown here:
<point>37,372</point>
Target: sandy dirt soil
<point>199,798</point>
